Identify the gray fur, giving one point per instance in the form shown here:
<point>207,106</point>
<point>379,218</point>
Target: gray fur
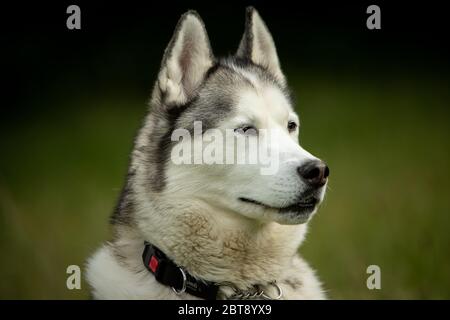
<point>210,103</point>
<point>149,207</point>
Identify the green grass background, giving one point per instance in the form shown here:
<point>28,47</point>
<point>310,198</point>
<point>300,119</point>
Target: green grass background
<point>385,140</point>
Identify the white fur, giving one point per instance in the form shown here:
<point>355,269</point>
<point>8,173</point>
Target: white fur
<point>198,219</point>
<point>273,256</point>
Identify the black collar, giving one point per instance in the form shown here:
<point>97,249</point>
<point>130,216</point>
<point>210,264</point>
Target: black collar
<point>168,273</point>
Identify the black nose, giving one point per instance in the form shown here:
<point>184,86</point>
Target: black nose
<point>315,173</point>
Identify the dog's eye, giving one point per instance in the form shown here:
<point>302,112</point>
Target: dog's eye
<point>291,126</point>
<point>247,130</point>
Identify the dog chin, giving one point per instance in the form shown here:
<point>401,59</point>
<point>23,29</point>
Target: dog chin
<point>297,213</point>
<point>294,217</point>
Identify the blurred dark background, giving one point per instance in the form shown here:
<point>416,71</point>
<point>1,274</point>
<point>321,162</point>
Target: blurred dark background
<point>374,104</point>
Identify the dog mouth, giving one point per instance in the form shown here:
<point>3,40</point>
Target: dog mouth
<point>304,206</point>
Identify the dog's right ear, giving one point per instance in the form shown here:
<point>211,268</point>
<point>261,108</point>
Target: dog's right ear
<point>258,46</point>
<point>186,60</point>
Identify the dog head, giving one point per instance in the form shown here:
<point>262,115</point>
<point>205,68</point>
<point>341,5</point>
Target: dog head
<point>203,106</point>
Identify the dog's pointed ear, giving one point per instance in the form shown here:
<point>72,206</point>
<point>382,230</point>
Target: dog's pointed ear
<point>258,46</point>
<point>186,60</point>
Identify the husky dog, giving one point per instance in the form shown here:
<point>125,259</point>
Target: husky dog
<point>226,226</point>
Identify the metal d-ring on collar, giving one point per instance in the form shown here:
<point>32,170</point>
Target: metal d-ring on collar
<point>280,292</point>
<point>183,288</point>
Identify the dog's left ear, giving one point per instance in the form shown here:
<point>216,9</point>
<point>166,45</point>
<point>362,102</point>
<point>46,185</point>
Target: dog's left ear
<point>186,60</point>
<point>258,46</point>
